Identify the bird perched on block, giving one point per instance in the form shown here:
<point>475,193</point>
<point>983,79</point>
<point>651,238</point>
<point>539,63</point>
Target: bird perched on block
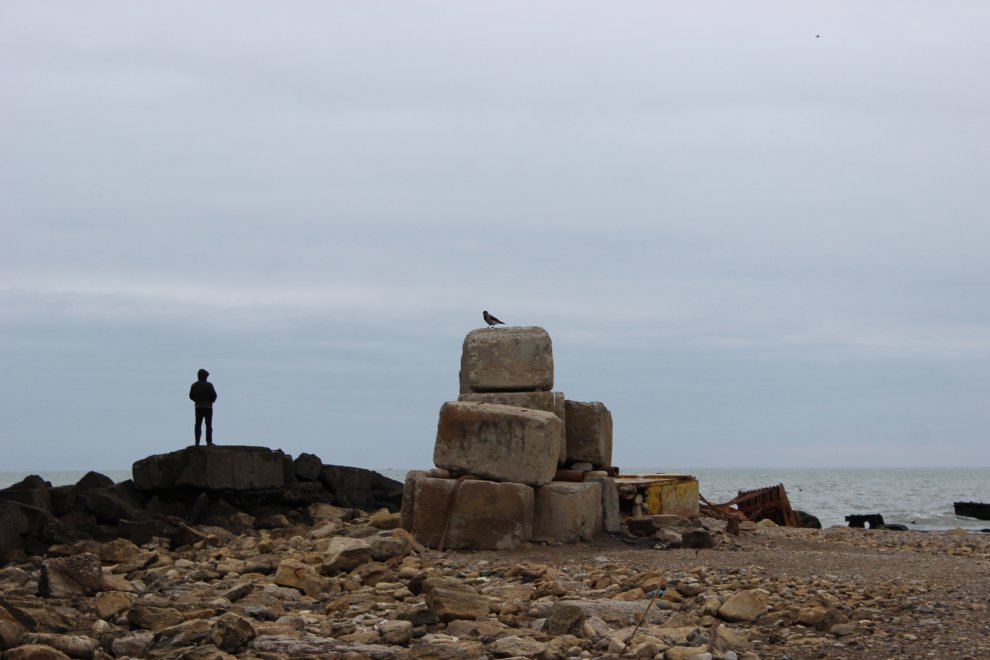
<point>491,320</point>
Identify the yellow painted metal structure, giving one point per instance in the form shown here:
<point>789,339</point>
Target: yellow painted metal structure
<point>670,494</point>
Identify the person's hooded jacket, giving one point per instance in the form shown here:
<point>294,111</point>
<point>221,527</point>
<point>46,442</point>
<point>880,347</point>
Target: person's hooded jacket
<point>202,391</point>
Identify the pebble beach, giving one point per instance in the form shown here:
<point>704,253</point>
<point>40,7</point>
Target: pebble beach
<point>351,584</point>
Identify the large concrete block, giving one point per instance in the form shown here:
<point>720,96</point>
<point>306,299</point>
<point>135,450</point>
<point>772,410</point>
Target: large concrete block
<point>567,512</point>
<point>484,514</point>
<point>501,443</point>
<point>548,401</point>
<point>611,516</point>
<point>212,467</point>
<point>589,433</point>
<point>514,359</point>
<point>409,497</point>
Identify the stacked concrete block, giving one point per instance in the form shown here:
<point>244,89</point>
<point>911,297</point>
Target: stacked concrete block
<point>501,444</point>
<point>589,433</point>
<point>567,512</point>
<point>482,514</point>
<point>507,360</point>
<point>553,402</point>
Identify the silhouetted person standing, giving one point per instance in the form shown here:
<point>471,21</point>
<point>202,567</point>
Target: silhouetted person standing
<point>203,394</point>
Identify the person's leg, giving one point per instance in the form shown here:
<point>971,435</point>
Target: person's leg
<point>198,428</point>
<point>208,413</point>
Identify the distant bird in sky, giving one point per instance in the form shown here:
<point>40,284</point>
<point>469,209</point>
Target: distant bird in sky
<point>491,320</point>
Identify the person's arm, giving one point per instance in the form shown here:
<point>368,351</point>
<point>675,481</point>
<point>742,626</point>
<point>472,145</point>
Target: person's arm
<point>191,390</point>
<point>213,393</point>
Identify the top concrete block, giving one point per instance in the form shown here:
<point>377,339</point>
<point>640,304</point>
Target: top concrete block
<point>513,359</point>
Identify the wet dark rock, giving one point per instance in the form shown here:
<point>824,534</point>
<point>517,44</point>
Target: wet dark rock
<point>215,468</point>
<point>32,491</point>
<point>808,520</point>
<point>94,480</point>
<point>307,467</point>
<point>107,507</point>
<point>13,525</point>
<point>175,495</point>
<point>361,488</point>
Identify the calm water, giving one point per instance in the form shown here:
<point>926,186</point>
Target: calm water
<point>920,498</point>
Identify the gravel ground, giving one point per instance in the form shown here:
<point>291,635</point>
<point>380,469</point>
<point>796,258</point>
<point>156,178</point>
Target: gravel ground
<point>906,594</point>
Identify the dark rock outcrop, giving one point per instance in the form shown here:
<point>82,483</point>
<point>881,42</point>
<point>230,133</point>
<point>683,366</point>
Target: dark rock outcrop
<point>360,488</point>
<point>228,488</point>
<point>212,468</point>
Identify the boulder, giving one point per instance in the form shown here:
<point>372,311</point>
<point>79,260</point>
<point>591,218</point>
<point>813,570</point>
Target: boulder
<point>294,573</point>
<point>452,599</point>
<point>307,467</point>
<point>74,646</point>
<point>34,652</point>
<point>745,605</point>
<point>31,491</point>
<point>514,359</point>
<point>11,631</point>
<point>546,401</point>
<point>109,604</point>
<point>483,514</point>
<point>514,646</point>
<point>501,443</point>
<point>75,575</point>
<point>231,633</point>
<point>565,618</point>
<point>697,538</point>
<point>153,618</point>
<point>589,433</point>
<point>94,480</point>
<point>186,633</point>
<point>344,554</point>
<point>212,468</point>
<point>567,512</point>
<point>106,506</point>
<point>118,551</point>
<point>396,631</point>
<point>361,488</point>
<point>133,645</point>
<point>388,544</point>
<point>13,524</point>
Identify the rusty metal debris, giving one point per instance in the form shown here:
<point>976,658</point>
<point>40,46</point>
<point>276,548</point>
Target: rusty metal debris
<point>769,503</point>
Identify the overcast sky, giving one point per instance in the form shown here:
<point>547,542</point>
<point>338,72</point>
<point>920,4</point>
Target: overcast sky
<point>758,232</point>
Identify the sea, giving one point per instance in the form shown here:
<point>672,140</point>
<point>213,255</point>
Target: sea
<point>920,498</point>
